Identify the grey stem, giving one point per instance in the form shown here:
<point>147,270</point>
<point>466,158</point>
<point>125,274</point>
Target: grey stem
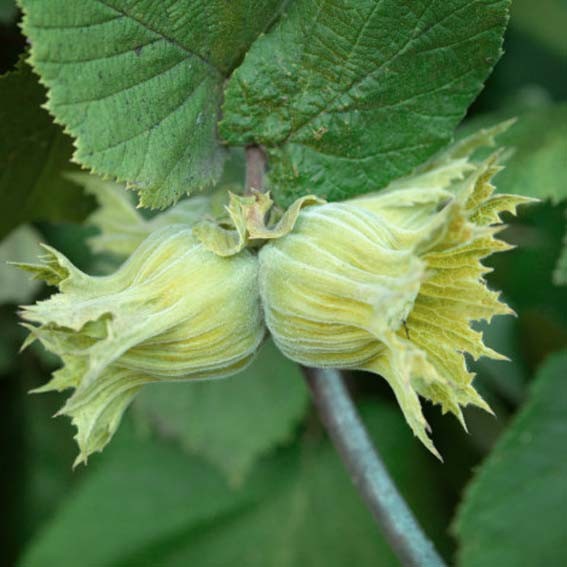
<point>367,470</point>
<point>255,169</point>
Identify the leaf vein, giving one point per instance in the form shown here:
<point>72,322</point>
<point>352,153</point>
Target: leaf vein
<point>98,57</point>
<point>74,26</point>
<point>354,83</point>
<point>163,36</point>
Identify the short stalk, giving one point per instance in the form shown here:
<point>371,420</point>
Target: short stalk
<point>255,169</point>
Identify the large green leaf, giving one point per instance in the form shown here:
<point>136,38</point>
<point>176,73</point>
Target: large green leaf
<point>315,518</point>
<point>349,94</point>
<point>143,492</point>
<point>231,422</point>
<point>148,504</point>
<point>33,155</point>
<point>138,83</point>
<point>514,513</point>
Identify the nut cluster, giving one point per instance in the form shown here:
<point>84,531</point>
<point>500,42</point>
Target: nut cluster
<point>388,283</point>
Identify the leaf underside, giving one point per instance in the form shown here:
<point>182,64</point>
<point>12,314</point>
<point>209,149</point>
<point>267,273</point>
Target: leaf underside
<point>175,510</point>
<point>138,83</point>
<point>349,95</point>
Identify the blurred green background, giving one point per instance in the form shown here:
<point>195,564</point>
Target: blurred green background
<point>240,472</point>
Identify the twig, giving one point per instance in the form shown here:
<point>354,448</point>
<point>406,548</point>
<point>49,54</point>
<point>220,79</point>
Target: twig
<point>255,169</point>
<point>368,472</point>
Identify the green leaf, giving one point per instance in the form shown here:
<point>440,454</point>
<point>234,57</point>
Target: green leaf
<point>314,517</point>
<point>49,448</point>
<point>148,504</point>
<point>231,422</point>
<point>33,155</point>
<point>514,512</point>
<point>350,94</point>
<point>143,492</point>
<point>138,83</point>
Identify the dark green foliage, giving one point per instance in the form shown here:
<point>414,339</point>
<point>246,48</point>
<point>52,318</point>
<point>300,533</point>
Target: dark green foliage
<point>139,83</point>
<point>350,95</point>
<point>231,422</point>
<point>538,143</point>
<point>513,513</point>
<point>34,153</point>
<point>297,507</point>
<point>345,95</point>
<point>7,11</point>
